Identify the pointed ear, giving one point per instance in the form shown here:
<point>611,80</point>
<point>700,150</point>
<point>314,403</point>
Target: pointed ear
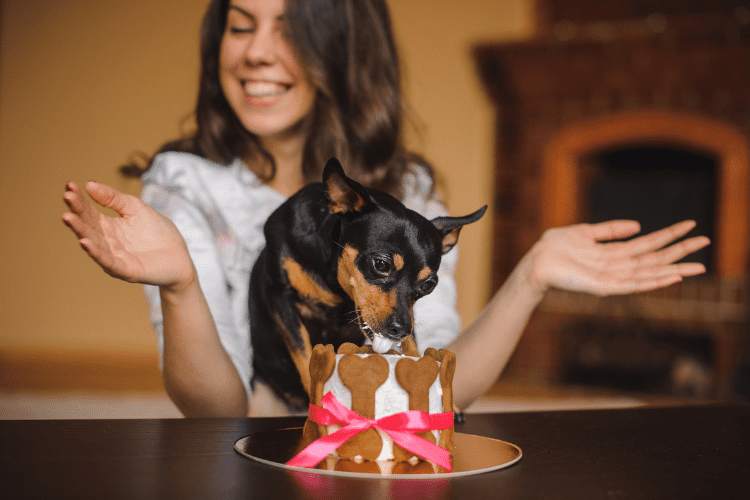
<point>449,227</point>
<point>344,194</point>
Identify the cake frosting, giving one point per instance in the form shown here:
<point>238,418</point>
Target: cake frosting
<point>375,386</point>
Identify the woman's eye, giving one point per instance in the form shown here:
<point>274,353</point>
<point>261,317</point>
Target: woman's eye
<point>239,22</point>
<point>237,30</point>
<point>381,266</point>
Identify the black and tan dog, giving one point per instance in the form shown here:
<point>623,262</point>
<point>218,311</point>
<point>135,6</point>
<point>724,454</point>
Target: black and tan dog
<point>340,262</point>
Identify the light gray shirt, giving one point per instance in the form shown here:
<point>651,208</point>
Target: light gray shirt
<point>220,211</point>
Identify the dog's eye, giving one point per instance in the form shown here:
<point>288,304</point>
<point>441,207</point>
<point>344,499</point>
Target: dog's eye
<point>428,285</point>
<point>381,265</point>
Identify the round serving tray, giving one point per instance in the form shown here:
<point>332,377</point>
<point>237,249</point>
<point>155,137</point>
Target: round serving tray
<point>471,455</point>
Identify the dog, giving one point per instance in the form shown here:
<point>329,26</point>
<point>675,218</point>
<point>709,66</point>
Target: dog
<point>341,263</point>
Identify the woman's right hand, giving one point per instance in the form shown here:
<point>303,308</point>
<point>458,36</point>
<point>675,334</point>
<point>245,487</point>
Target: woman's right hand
<point>140,246</point>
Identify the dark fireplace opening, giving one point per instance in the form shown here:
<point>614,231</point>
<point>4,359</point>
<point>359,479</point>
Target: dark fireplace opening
<point>635,357</point>
<point>657,185</point>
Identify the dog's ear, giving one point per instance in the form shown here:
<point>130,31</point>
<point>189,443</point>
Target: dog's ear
<point>449,227</point>
<point>344,194</point>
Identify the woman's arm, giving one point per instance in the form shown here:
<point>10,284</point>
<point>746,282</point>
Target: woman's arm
<point>571,258</point>
<point>198,374</point>
<point>143,246</point>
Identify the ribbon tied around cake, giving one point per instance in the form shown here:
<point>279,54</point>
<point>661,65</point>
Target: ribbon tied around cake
<point>401,427</point>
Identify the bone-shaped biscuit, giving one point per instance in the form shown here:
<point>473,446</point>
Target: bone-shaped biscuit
<point>348,348</point>
<point>409,347</point>
<point>447,370</point>
<point>421,467</point>
<point>416,377</point>
<point>433,353</point>
<point>363,376</point>
<point>322,364</point>
<point>361,468</point>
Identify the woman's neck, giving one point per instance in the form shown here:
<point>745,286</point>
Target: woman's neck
<point>287,153</point>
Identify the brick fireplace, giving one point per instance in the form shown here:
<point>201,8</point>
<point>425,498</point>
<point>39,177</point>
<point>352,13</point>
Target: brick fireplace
<point>628,110</point>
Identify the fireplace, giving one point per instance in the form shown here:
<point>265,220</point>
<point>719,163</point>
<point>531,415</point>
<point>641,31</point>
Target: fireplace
<point>628,110</point>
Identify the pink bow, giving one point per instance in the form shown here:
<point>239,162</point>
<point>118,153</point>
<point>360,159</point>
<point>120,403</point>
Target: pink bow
<point>400,426</point>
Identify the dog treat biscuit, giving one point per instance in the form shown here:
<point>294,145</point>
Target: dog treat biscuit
<point>362,376</point>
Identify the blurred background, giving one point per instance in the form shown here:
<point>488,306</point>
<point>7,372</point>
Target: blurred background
<point>552,112</point>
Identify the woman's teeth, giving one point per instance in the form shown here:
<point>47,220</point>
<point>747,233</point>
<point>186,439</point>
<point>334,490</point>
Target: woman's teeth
<point>264,89</point>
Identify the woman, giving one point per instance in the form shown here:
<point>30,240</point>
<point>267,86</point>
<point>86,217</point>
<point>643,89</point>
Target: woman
<point>284,86</point>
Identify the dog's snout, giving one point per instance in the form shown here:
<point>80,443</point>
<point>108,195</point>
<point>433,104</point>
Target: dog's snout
<point>398,328</point>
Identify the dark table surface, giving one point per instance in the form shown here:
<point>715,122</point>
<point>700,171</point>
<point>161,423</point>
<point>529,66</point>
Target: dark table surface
<point>650,453</point>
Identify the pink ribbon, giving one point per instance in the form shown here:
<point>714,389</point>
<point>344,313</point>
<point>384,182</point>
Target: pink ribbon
<point>400,426</point>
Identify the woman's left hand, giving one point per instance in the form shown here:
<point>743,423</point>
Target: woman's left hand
<point>584,258</point>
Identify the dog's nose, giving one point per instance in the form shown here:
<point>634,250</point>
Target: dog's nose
<point>397,328</point>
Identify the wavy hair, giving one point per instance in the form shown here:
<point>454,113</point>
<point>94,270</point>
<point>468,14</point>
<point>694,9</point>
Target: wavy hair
<point>349,53</point>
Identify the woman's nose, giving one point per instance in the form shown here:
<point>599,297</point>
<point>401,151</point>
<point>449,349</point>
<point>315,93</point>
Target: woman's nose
<point>261,47</point>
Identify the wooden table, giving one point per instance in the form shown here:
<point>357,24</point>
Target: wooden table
<point>650,453</point>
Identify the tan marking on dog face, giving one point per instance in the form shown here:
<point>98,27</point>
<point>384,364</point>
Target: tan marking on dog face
<point>305,285</point>
<point>424,274</point>
<point>398,261</point>
<point>373,304</point>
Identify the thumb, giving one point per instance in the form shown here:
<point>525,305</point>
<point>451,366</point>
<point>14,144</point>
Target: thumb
<point>109,197</point>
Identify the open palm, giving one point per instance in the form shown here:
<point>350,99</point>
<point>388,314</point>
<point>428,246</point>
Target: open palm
<point>140,246</point>
<point>584,257</point>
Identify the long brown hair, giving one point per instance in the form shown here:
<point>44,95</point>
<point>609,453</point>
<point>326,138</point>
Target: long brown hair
<point>348,50</point>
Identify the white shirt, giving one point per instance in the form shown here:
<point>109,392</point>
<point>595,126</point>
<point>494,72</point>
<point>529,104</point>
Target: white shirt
<point>220,211</point>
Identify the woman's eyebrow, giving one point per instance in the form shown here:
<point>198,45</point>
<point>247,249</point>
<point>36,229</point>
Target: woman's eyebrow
<point>249,15</point>
<point>242,11</point>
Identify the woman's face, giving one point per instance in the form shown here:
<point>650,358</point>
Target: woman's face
<point>260,75</point>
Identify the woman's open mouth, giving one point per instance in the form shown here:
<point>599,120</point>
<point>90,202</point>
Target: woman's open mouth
<point>264,89</point>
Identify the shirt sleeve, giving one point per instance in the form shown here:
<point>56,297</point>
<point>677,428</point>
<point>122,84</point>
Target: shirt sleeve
<point>170,191</point>
<point>436,319</point>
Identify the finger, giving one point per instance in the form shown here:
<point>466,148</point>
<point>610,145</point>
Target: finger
<point>624,287</point>
<point>74,222</point>
<point>78,204</point>
<point>82,229</point>
<point>654,283</point>
<point>659,239</point>
<point>109,197</point>
<point>675,252</point>
<point>684,269</point>
<point>613,230</point>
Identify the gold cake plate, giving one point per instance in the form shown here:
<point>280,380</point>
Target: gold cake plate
<point>471,455</point>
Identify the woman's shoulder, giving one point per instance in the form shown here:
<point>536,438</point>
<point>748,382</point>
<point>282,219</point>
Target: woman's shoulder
<point>174,168</point>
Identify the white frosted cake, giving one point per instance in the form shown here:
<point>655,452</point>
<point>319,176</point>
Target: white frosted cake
<point>376,386</point>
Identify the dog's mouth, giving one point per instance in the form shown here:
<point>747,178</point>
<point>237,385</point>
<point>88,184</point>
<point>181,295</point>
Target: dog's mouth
<point>380,343</point>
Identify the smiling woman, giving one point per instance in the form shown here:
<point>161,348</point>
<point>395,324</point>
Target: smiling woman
<point>265,127</point>
<point>261,76</point>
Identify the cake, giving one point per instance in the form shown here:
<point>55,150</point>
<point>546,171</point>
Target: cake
<point>375,386</point>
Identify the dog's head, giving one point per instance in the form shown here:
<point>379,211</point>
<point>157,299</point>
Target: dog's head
<point>390,255</point>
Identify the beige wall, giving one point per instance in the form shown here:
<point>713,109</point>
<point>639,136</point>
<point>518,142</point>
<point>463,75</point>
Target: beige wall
<point>85,84</point>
